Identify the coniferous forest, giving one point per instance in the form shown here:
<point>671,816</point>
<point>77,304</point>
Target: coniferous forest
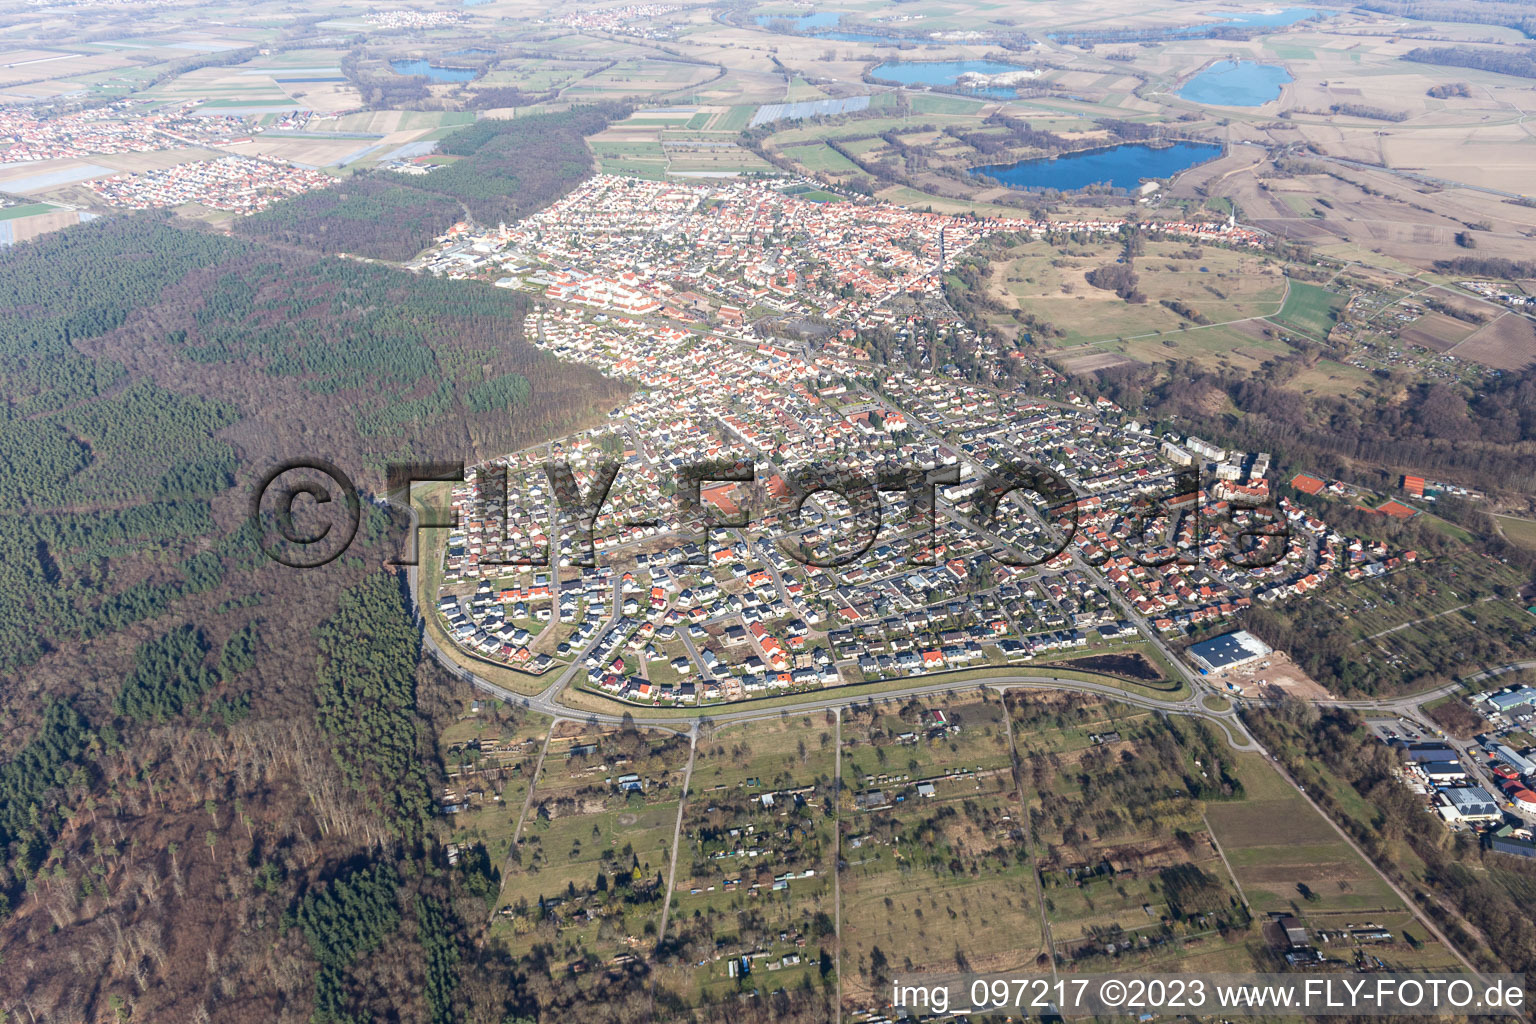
<point>216,766</point>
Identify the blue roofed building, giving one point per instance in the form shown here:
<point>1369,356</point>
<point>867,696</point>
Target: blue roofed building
<point>1228,651</point>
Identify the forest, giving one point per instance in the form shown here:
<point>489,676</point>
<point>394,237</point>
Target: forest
<point>507,169</point>
<point>196,736</point>
<point>367,702</point>
<point>286,355</point>
<point>1505,61</point>
<point>1477,12</point>
<point>366,215</point>
<point>1446,429</point>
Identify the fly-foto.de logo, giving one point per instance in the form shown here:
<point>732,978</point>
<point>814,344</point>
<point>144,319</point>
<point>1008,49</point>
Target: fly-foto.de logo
<point>307,512</point>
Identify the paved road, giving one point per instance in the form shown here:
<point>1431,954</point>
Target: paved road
<point>547,702</point>
<point>1501,670</point>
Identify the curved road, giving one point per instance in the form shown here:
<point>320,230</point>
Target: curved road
<point>546,702</point>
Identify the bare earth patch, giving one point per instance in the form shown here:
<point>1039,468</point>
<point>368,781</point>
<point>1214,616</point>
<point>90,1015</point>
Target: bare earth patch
<point>1282,678</point>
<point>1509,343</point>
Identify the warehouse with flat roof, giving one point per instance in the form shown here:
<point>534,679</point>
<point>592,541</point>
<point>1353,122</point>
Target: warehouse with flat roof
<point>1469,803</point>
<point>1228,651</point>
<point>1514,698</point>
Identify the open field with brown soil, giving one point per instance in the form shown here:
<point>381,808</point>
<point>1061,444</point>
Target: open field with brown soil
<point>1436,332</point>
<point>1509,343</point>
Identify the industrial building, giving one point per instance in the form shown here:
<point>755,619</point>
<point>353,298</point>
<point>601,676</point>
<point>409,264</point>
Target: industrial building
<point>1469,803</point>
<point>1228,651</point>
<point>1510,699</point>
<point>1421,752</point>
<point>1519,762</point>
<point>1442,772</point>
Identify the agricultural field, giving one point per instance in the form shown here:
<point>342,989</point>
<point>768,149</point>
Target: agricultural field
<point>1307,861</point>
<point>588,873</point>
<point>1310,310</point>
<point>24,210</point>
<point>638,154</point>
<point>820,159</point>
<point>1210,285</point>
<point>756,859</point>
<point>1436,332</point>
<point>636,77</point>
<point>937,876</point>
<point>1127,864</point>
<point>1310,868</point>
<point>539,75</point>
<point>1518,530</point>
<point>1508,343</point>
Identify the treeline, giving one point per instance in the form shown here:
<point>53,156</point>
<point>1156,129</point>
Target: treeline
<point>492,97</point>
<point>1454,432</point>
<point>364,215</point>
<point>1487,266</point>
<point>1450,89</point>
<point>509,169</point>
<point>366,696</point>
<point>1519,62</point>
<point>1186,311</point>
<point>1022,133</point>
<point>1113,36</point>
<point>1477,12</point>
<point>1455,311</point>
<point>1369,112</point>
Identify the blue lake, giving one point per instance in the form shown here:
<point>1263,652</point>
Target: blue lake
<point>1272,18</point>
<point>810,23</point>
<point>427,69</point>
<point>1236,84</point>
<point>1121,166</point>
<point>945,72</point>
<point>803,22</point>
<point>1269,19</point>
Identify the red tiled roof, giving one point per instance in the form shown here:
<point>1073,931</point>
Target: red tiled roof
<point>1397,510</point>
<point>1307,484</point>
